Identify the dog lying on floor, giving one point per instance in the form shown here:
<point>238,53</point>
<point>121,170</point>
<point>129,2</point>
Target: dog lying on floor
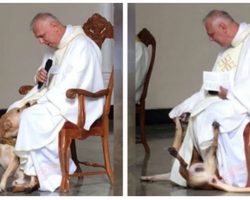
<point>200,174</point>
<point>9,124</point>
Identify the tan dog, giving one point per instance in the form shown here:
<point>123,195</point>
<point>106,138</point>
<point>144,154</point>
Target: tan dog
<point>9,124</point>
<point>201,174</point>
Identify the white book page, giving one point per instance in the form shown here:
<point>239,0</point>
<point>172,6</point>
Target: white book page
<point>213,80</point>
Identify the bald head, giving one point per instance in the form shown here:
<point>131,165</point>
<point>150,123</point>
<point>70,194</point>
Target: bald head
<point>218,14</point>
<point>220,27</point>
<point>45,17</point>
<point>47,29</point>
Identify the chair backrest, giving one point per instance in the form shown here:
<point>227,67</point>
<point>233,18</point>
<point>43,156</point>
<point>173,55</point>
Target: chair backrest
<point>99,29</point>
<point>108,99</point>
<point>148,39</point>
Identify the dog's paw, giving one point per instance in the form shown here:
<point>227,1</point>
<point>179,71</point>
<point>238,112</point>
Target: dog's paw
<point>173,151</point>
<point>216,125</point>
<point>2,187</point>
<point>147,178</point>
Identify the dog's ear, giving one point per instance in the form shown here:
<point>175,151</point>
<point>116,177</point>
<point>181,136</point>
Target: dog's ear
<point>7,124</point>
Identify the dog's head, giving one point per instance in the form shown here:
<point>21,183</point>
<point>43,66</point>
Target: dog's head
<point>9,122</point>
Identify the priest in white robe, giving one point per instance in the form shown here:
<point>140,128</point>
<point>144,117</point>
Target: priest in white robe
<point>76,64</point>
<point>230,108</point>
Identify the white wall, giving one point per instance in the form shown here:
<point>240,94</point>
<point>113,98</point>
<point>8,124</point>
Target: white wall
<point>183,48</point>
<point>20,52</point>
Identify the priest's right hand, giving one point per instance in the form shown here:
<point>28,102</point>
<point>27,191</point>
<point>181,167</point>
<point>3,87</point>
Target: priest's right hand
<point>41,75</point>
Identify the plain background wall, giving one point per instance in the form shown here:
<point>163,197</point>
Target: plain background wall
<point>183,48</point>
<point>20,52</point>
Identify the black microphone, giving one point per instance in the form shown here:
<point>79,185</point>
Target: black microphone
<point>47,68</point>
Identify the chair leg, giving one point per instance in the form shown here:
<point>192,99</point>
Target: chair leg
<point>246,135</point>
<point>74,155</point>
<point>64,144</point>
<point>105,146</point>
<point>142,131</point>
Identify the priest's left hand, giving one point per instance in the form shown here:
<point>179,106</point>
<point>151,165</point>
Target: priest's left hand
<point>223,93</point>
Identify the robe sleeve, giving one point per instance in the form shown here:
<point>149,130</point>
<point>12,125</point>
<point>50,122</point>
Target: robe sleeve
<point>48,55</point>
<point>241,92</point>
<point>187,105</point>
<point>80,69</point>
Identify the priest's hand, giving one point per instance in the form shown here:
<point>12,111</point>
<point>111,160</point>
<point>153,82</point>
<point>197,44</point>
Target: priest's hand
<point>41,75</point>
<point>223,93</point>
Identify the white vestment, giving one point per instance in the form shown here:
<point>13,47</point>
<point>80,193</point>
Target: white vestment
<point>232,115</point>
<point>141,67</point>
<point>76,64</point>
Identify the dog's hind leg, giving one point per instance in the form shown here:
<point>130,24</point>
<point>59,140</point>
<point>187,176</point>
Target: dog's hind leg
<point>210,161</point>
<point>157,177</point>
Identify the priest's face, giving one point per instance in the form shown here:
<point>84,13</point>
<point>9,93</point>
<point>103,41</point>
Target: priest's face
<point>47,33</point>
<point>217,32</point>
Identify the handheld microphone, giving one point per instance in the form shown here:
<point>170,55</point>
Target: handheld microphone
<point>47,68</point>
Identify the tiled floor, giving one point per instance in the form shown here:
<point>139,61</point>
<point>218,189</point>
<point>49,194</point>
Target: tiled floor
<point>160,137</point>
<point>97,185</point>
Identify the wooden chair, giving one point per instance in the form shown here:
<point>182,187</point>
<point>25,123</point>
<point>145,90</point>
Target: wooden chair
<point>246,137</point>
<point>97,28</point>
<point>148,39</point>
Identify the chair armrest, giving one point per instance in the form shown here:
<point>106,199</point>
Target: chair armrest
<point>71,93</point>
<point>25,89</point>
<point>81,94</point>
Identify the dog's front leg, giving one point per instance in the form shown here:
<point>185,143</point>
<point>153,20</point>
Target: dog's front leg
<point>178,137</point>
<point>13,165</point>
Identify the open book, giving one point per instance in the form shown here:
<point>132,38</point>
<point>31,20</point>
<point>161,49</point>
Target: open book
<point>213,80</point>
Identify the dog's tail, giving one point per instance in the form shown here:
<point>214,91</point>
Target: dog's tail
<point>217,183</point>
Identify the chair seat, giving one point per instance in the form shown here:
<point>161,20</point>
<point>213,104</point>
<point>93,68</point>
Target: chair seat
<point>71,125</point>
<point>96,129</point>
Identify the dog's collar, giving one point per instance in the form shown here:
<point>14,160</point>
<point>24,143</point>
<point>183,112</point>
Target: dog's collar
<point>10,141</point>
